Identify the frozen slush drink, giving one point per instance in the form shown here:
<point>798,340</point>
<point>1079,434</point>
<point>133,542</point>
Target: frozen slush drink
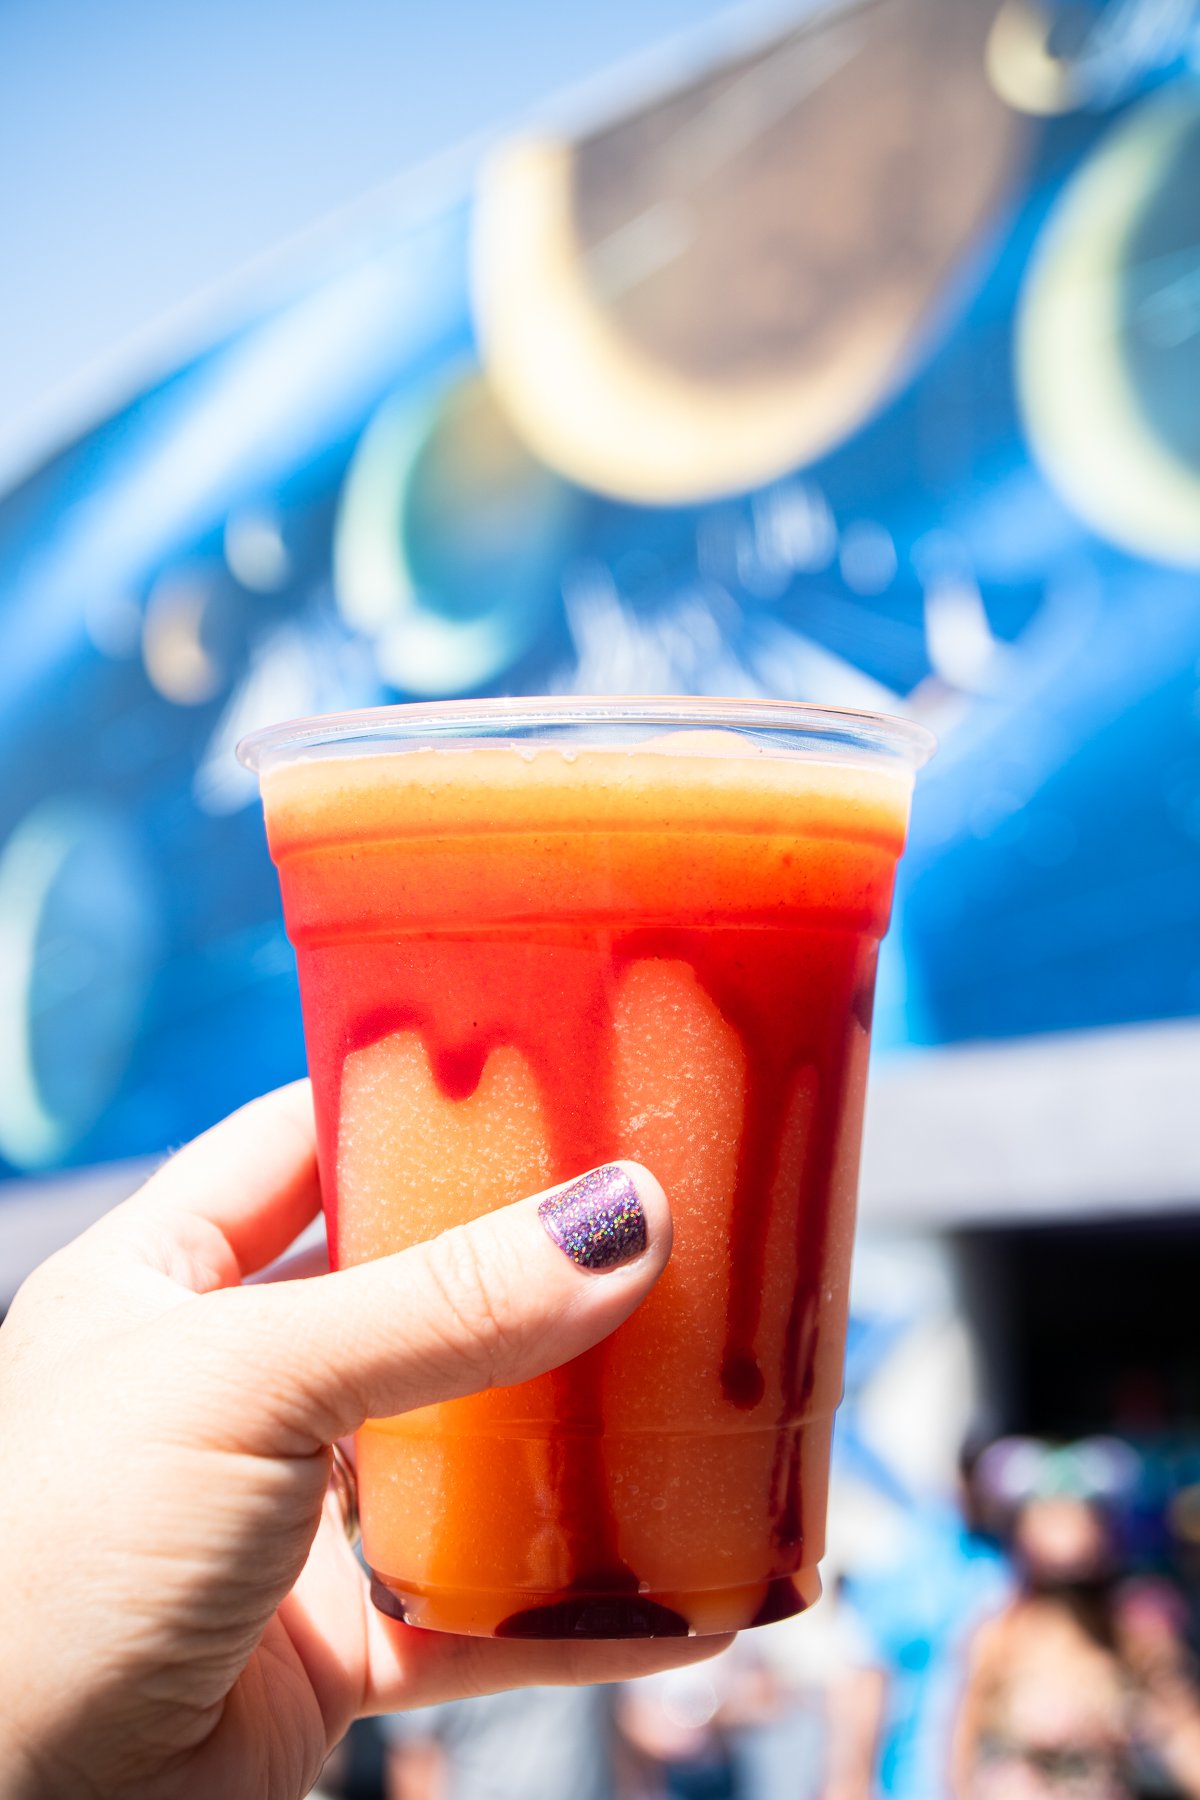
<point>537,937</point>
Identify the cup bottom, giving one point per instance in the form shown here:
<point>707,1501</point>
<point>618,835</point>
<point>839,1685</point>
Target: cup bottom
<point>705,1613</point>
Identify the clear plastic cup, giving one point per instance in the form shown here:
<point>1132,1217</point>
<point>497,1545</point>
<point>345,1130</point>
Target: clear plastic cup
<point>535,936</point>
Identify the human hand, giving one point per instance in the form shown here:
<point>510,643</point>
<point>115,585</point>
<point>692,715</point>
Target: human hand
<point>182,1614</point>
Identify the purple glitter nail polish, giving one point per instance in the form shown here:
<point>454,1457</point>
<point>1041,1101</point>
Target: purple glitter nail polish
<point>598,1220</point>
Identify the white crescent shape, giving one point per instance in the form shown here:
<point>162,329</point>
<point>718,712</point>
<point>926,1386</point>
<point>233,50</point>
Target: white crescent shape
<point>1084,423</point>
<point>420,649</point>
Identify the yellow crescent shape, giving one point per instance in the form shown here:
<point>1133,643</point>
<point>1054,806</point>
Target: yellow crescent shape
<point>1020,65</point>
<point>607,415</point>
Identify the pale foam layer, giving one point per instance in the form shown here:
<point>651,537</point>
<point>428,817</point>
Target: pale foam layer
<point>677,781</point>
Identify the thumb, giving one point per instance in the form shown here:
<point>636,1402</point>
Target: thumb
<point>506,1297</point>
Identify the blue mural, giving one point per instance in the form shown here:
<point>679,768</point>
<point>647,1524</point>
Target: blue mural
<point>859,364</point>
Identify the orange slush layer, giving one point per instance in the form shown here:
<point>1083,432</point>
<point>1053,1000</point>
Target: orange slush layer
<point>636,835</point>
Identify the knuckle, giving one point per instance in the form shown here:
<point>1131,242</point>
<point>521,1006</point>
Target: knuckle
<point>48,1293</point>
<point>477,1320</point>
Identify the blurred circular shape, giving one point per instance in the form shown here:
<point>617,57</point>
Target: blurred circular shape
<point>866,557</point>
<point>727,282</point>
<point>78,950</point>
<point>255,550</point>
<point>1183,1513</point>
<point>1024,67</point>
<point>179,649</point>
<point>1107,1467</point>
<point>1009,1469</point>
<point>1014,1470</point>
<point>448,541</point>
<point>689,1699</point>
<point>795,527</point>
<point>1108,335</point>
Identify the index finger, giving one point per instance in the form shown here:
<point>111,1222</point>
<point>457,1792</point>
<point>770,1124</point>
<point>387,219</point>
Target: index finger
<point>253,1176</point>
<point>407,1666</point>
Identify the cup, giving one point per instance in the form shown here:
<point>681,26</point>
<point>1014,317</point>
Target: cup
<point>535,936</point>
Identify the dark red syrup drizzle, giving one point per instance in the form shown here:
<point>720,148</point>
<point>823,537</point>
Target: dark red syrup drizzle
<point>781,1601</point>
<point>781,991</point>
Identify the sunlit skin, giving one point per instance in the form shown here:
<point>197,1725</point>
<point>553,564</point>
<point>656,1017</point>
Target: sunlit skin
<point>517,963</point>
<point>182,1614</point>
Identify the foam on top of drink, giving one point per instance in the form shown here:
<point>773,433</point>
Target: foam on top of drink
<point>675,781</point>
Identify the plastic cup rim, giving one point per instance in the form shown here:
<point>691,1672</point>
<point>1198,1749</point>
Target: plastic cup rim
<point>874,733</point>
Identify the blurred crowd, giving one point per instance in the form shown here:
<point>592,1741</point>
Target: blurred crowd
<point>1036,1640</point>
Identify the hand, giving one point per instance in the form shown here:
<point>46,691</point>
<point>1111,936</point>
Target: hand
<point>181,1612</point>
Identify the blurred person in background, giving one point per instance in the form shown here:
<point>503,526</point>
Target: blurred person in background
<point>538,1744</point>
<point>675,1738</point>
<point>779,1714</point>
<point>756,1723</point>
<point>1150,1627</point>
<point>1083,1687</point>
<point>893,1705</point>
<point>1183,1538</point>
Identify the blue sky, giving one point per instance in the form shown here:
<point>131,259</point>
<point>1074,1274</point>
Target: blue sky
<point>150,150</point>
